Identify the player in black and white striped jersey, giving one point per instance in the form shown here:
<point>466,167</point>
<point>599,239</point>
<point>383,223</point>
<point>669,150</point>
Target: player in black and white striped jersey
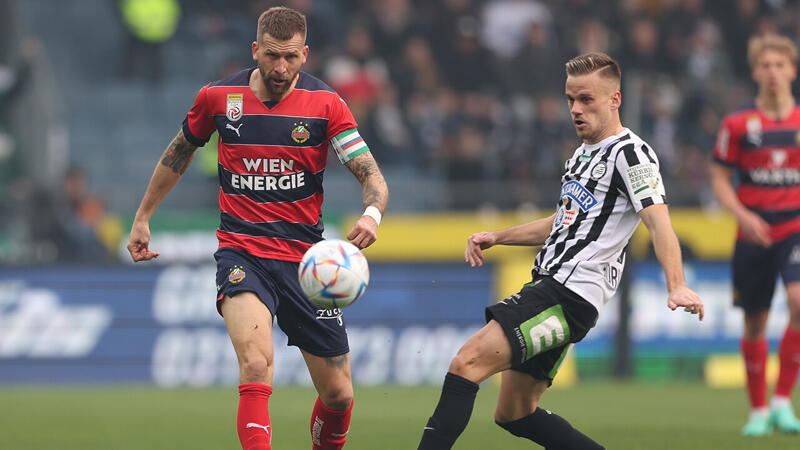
<point>604,187</point>
<point>611,183</point>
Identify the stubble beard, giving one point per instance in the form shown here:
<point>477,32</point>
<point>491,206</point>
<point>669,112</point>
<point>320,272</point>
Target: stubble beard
<point>276,92</point>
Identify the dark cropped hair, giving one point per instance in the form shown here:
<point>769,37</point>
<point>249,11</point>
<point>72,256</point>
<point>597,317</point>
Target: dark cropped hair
<point>281,23</point>
<point>593,62</point>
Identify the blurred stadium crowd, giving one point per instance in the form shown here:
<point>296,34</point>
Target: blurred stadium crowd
<point>461,101</point>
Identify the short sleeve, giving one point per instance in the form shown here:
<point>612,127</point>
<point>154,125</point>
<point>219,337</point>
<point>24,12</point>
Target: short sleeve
<point>198,126</point>
<point>726,150</point>
<point>341,119</point>
<point>639,169</point>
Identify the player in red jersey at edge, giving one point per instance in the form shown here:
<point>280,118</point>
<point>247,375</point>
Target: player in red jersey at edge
<point>274,123</point>
<point>762,144</point>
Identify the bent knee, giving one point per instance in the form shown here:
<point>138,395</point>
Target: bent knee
<point>337,399</point>
<point>464,362</point>
<point>255,367</point>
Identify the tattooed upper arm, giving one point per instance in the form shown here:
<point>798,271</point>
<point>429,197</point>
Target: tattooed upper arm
<point>179,154</point>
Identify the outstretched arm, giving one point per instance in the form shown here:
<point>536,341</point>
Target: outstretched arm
<point>173,164</point>
<point>531,233</point>
<point>668,252</point>
<point>376,195</point>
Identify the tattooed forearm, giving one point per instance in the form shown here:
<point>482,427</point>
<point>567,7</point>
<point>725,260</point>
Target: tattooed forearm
<point>178,154</point>
<point>375,191</point>
<point>363,166</point>
<point>338,362</point>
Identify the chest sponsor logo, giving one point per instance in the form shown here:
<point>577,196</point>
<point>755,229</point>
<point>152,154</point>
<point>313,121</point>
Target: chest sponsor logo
<point>233,107</point>
<point>775,177</point>
<point>580,194</point>
<point>300,132</point>
<point>284,176</point>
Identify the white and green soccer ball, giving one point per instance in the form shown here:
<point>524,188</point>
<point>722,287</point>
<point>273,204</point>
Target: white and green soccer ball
<point>333,273</point>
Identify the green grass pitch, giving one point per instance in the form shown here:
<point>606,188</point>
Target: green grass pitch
<point>618,415</point>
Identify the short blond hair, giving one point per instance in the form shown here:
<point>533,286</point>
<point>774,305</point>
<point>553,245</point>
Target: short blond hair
<point>594,62</point>
<point>781,44</point>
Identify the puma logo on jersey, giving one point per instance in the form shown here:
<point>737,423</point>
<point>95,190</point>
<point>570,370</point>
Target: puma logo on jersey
<point>236,129</point>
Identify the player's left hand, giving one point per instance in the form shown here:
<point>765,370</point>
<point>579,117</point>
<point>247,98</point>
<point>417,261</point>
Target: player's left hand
<point>684,297</point>
<point>364,233</point>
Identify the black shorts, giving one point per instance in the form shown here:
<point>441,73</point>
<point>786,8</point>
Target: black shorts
<point>540,322</point>
<point>316,330</point>
<point>756,269</point>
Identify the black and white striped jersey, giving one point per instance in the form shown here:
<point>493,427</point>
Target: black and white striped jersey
<point>603,188</point>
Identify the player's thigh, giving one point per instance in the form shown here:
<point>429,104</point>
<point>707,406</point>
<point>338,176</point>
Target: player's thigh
<point>249,325</point>
<point>487,352</point>
<point>332,379</point>
<point>519,395</point>
<point>755,272</point>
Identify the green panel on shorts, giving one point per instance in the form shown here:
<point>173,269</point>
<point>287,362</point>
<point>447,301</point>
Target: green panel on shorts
<point>554,370</point>
<point>545,331</point>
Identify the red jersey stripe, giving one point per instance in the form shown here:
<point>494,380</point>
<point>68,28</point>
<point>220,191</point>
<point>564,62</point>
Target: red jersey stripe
<point>769,198</point>
<point>264,247</point>
<point>301,211</point>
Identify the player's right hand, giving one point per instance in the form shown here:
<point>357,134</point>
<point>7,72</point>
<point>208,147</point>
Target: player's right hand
<point>755,229</point>
<point>139,242</point>
<point>475,246</point>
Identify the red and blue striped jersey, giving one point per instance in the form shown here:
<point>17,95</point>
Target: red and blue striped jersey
<point>271,161</point>
<point>766,155</point>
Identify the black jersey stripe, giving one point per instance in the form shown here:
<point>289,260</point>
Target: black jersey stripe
<point>278,229</point>
<point>647,151</point>
<point>630,154</point>
<point>599,223</point>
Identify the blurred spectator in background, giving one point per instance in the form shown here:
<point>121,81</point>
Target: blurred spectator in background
<point>537,67</point>
<point>506,23</point>
<point>418,77</point>
<point>148,24</point>
<point>358,73</point>
<point>15,75</point>
<point>83,221</point>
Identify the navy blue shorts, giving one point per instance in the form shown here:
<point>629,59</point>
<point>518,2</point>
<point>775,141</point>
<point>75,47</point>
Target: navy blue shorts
<point>756,269</point>
<point>318,331</point>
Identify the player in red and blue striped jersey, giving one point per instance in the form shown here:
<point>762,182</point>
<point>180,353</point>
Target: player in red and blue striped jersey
<point>762,145</point>
<point>275,123</point>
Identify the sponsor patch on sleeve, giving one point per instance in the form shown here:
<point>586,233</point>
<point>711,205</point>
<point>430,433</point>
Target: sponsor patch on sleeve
<point>645,181</point>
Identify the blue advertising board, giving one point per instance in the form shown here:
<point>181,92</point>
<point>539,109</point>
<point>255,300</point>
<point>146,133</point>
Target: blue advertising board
<point>159,324</point>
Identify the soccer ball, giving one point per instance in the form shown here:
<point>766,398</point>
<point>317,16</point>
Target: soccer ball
<point>333,273</point>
